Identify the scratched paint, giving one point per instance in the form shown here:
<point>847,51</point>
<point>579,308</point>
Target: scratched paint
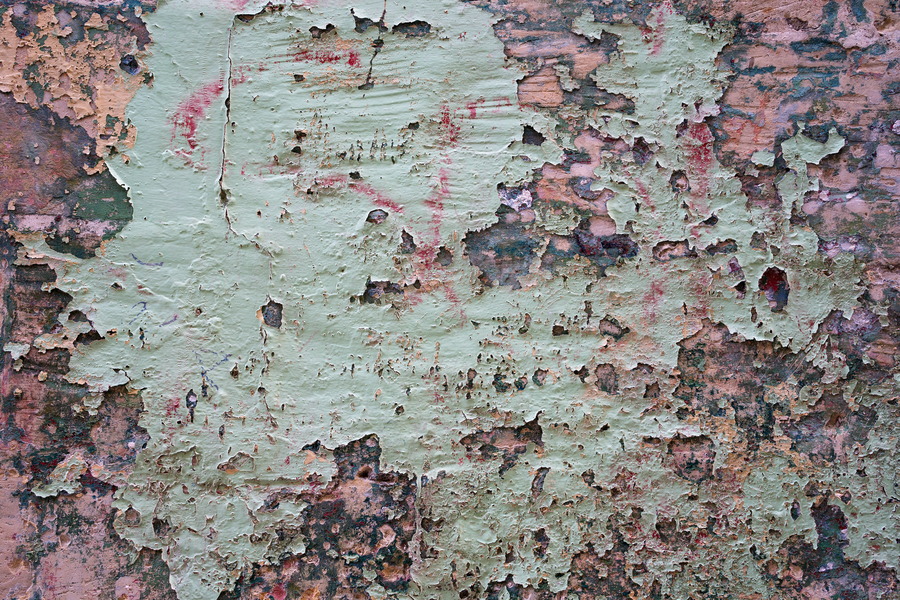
<point>510,363</point>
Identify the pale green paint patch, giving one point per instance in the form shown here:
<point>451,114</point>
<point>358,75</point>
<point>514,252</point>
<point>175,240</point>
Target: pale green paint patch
<point>230,217</point>
<point>64,477</point>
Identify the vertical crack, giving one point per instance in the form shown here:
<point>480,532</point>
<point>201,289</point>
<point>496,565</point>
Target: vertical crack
<point>377,44</point>
<point>223,195</point>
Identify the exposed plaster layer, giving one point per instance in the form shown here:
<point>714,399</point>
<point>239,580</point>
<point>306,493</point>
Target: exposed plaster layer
<point>65,60</point>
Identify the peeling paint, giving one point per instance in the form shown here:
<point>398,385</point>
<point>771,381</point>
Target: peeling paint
<point>417,308</point>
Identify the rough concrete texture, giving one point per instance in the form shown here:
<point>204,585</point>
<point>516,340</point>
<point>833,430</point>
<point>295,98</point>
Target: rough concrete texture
<point>500,299</point>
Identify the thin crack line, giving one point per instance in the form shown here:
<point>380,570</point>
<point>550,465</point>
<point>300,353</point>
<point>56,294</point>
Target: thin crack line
<point>223,195</point>
<point>378,44</point>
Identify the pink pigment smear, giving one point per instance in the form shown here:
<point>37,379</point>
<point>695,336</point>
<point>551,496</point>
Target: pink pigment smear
<point>449,128</point>
<point>700,159</point>
<point>659,35</point>
<point>326,57</point>
<point>377,197</point>
<point>493,104</point>
<point>232,4</point>
<point>189,113</point>
<point>278,592</point>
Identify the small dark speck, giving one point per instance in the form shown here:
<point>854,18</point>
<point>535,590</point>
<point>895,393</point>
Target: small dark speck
<point>355,175</point>
<point>413,126</point>
<point>298,77</point>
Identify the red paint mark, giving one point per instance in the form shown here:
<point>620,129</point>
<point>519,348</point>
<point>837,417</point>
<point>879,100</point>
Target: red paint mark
<point>188,115</point>
<point>449,128</point>
<point>642,190</point>
<point>278,592</point>
<point>327,57</point>
<point>700,159</point>
<point>233,4</point>
<point>701,153</point>
<point>189,112</point>
<point>651,301</point>
<point>426,252</point>
<point>435,202</point>
<point>494,103</point>
<point>659,33</point>
<point>172,407</point>
<point>644,193</point>
<point>377,197</point>
<point>700,285</point>
<point>331,181</point>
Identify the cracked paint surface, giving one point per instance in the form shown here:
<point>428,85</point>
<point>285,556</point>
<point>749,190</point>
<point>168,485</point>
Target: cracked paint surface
<point>419,302</point>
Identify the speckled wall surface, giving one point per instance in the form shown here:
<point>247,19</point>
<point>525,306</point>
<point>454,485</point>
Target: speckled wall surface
<point>506,299</point>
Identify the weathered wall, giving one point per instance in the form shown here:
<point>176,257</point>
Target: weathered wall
<point>488,299</point>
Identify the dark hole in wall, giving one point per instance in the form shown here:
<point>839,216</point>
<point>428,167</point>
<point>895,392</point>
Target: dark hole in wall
<point>728,246</point>
<point>376,290</point>
<point>271,313</point>
<point>130,65</point>
<point>532,136</point>
<point>641,151</point>
<point>670,250</point>
<point>412,28</point>
<point>611,327</point>
<point>161,527</point>
<point>407,244</point>
<point>318,32</point>
<point>363,23</point>
<point>774,284</point>
<point>377,216</point>
<point>607,379</point>
<point>444,256</point>
<point>679,182</point>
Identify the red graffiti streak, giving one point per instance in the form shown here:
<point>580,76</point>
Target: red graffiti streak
<point>700,160</point>
<point>377,197</point>
<point>494,105</point>
<point>325,57</point>
<point>189,112</point>
<point>449,128</point>
<point>651,301</point>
